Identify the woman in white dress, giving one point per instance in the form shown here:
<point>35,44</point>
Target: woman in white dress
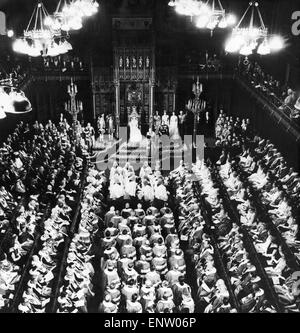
<point>111,127</point>
<point>116,187</point>
<point>145,170</point>
<point>165,119</point>
<point>173,129</point>
<point>101,127</point>
<point>147,191</point>
<point>135,133</point>
<point>113,170</point>
<point>126,170</point>
<point>130,185</point>
<point>157,122</point>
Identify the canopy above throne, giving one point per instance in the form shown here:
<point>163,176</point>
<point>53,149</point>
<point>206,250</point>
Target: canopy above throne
<point>134,114</point>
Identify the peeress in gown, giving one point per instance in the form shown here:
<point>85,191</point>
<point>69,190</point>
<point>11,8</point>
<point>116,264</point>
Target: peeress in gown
<point>135,133</point>
<point>147,191</point>
<point>116,188</point>
<point>173,129</point>
<point>131,185</point>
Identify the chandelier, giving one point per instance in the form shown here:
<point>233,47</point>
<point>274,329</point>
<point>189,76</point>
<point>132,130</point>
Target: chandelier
<point>213,15</point>
<point>246,39</point>
<point>69,14</point>
<point>40,39</point>
<point>187,7</point>
<point>65,18</point>
<point>209,14</point>
<point>86,8</point>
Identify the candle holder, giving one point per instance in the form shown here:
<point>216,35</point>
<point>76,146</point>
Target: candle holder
<point>196,105</point>
<point>74,107</point>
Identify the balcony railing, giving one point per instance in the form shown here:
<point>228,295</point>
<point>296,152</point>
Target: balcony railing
<point>265,100</point>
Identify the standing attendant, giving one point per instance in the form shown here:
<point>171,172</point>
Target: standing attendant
<point>157,122</point>
<point>101,127</point>
<point>165,119</point>
<point>181,122</point>
<point>89,135</point>
<point>173,130</point>
<point>111,129</point>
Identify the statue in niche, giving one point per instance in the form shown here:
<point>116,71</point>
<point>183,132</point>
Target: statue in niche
<point>140,62</point>
<point>127,62</point>
<point>121,62</point>
<point>147,62</point>
<point>134,62</point>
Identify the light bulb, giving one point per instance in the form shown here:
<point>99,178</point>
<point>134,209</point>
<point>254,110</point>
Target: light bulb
<point>223,24</point>
<point>231,19</point>
<point>276,43</point>
<point>33,51</point>
<point>212,24</point>
<point>234,44</point>
<point>17,45</point>
<point>75,24</point>
<point>56,25</point>
<point>181,10</point>
<point>264,48</point>
<point>65,27</point>
<point>202,21</point>
<point>20,46</point>
<point>10,33</point>
<point>246,50</point>
<point>48,21</point>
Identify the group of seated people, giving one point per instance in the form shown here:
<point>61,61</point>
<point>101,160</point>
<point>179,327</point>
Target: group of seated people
<point>269,170</point>
<point>25,162</point>
<point>262,236</point>
<point>260,158</point>
<point>266,193</point>
<point>148,187</point>
<point>212,294</point>
<point>16,249</point>
<point>12,71</point>
<point>37,293</point>
<point>30,153</point>
<point>155,233</point>
<point>245,281</point>
<point>45,263</point>
<point>78,286</point>
<point>281,95</point>
<point>8,205</point>
<point>84,135</point>
<point>230,131</point>
<point>45,172</point>
<point>143,264</point>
